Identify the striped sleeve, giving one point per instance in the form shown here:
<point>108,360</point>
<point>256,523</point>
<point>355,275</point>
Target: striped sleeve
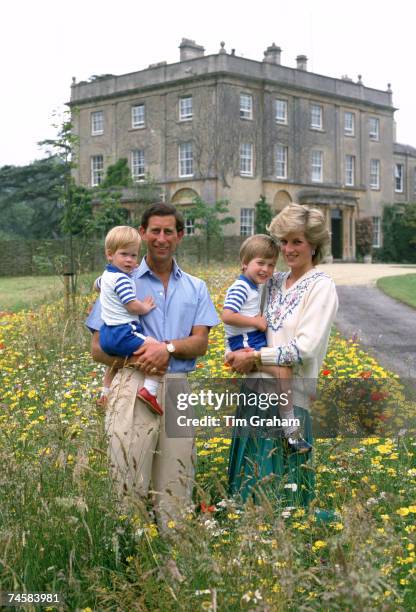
<point>124,289</point>
<point>236,296</point>
<point>97,284</point>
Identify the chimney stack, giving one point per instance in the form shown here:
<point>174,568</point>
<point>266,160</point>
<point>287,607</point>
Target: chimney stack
<point>301,62</point>
<point>189,50</point>
<point>272,54</point>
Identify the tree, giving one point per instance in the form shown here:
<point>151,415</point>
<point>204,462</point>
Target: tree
<point>30,205</point>
<point>263,216</point>
<point>209,220</point>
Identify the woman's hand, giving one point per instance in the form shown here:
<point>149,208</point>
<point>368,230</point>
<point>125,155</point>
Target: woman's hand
<point>241,361</point>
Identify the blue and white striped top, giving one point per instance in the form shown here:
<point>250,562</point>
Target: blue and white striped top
<point>117,289</point>
<point>243,296</point>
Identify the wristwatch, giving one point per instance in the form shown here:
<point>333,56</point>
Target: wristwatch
<point>257,358</point>
<point>170,348</point>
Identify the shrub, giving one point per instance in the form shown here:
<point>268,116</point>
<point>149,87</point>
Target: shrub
<point>364,236</point>
<point>399,231</point>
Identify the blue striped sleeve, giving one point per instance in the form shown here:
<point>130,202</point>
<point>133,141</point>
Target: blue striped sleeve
<point>124,290</point>
<point>235,298</point>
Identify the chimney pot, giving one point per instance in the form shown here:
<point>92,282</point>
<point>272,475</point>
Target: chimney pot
<point>301,62</point>
<point>272,54</point>
<point>189,49</point>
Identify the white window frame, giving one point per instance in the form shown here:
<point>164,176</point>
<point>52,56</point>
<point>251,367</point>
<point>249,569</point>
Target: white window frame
<point>349,123</point>
<point>280,107</point>
<point>97,170</point>
<point>246,106</point>
<point>374,174</point>
<point>246,159</point>
<point>138,117</point>
<point>189,226</point>
<point>185,108</point>
<point>374,128</point>
<point>97,123</point>
<point>317,166</point>
<point>376,232</point>
<point>349,170</point>
<point>186,159</point>
<point>281,154</point>
<point>246,221</point>
<point>316,116</point>
<point>399,178</point>
<point>138,171</point>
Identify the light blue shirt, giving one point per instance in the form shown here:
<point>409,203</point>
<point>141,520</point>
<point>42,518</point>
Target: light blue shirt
<point>186,303</point>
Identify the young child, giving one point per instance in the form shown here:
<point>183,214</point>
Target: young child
<point>245,325</point>
<point>122,333</point>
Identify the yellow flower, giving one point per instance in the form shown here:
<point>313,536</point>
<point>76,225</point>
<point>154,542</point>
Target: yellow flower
<point>318,544</point>
<point>403,511</point>
<point>171,524</point>
<point>233,516</point>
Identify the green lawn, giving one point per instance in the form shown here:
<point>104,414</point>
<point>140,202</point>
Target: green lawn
<point>401,288</point>
<point>25,292</point>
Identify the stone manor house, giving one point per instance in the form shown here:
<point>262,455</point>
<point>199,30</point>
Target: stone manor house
<point>229,128</point>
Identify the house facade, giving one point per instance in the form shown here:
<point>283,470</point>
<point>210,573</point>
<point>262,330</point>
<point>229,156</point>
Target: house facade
<point>225,127</point>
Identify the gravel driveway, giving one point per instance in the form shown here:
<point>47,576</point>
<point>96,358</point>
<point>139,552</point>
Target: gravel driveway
<point>384,327</point>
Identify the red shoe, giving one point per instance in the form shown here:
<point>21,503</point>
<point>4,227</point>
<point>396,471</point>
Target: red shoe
<point>150,400</point>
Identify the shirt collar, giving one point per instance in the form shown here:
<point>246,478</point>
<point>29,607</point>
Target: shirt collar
<point>248,281</point>
<point>144,269</point>
<point>110,268</point>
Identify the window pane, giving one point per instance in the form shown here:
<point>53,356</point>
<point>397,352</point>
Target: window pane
<point>374,131</point>
<point>398,177</point>
<point>137,164</point>
<point>246,159</point>
<point>349,124</point>
<point>281,161</point>
<point>317,170</point>
<point>186,163</point>
<point>316,116</point>
<point>281,111</point>
<point>349,170</point>
<point>97,122</point>
<point>376,231</point>
<point>185,108</point>
<point>246,106</point>
<point>247,222</point>
<point>375,174</point>
<point>189,227</point>
<point>97,170</point>
<point>137,116</point>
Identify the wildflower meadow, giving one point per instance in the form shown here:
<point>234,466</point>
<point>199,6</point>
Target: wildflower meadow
<point>63,531</point>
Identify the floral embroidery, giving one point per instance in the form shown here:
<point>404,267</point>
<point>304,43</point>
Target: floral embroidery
<point>280,305</point>
<point>288,354</point>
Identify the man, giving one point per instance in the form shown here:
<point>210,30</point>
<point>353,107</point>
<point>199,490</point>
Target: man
<point>141,453</point>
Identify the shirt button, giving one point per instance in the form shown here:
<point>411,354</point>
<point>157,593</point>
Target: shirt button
<point>161,293</point>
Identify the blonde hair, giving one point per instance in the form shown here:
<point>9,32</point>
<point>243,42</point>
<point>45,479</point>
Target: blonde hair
<point>120,237</point>
<point>259,245</point>
<point>309,221</point>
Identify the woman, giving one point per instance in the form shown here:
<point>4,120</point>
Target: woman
<point>301,305</point>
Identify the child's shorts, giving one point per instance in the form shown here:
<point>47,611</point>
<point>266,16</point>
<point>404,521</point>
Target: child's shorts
<point>121,340</point>
<point>255,339</point>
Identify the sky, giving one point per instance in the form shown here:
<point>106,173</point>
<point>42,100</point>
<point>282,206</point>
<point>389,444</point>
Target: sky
<point>44,44</point>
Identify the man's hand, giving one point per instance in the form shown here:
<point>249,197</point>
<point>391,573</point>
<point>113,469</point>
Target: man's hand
<point>259,322</point>
<point>152,358</point>
<point>241,361</point>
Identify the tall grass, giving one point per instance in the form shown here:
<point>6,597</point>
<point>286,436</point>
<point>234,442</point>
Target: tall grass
<point>63,530</point>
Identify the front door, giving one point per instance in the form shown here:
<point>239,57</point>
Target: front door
<point>336,231</point>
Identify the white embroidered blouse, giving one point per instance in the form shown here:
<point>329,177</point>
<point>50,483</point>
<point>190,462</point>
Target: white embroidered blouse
<point>299,323</point>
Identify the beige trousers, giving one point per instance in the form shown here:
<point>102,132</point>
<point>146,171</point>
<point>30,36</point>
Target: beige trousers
<point>143,458</point>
